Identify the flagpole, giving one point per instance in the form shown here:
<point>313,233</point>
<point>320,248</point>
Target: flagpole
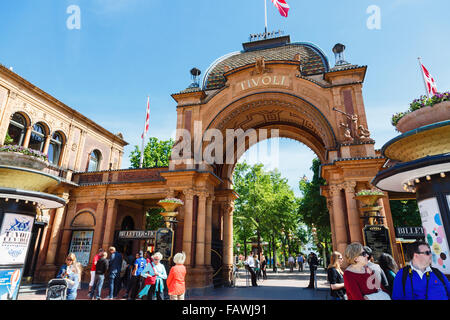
<point>423,77</point>
<point>265,11</point>
<point>141,160</point>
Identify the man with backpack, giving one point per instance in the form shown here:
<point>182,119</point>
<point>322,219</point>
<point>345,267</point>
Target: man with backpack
<point>420,281</point>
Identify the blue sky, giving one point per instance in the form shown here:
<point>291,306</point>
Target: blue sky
<point>128,49</point>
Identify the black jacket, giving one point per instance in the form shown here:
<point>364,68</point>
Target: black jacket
<point>101,266</point>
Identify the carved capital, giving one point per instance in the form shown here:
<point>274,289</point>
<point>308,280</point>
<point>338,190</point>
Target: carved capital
<point>202,195</point>
<point>334,189</point>
<point>189,194</point>
<point>349,186</point>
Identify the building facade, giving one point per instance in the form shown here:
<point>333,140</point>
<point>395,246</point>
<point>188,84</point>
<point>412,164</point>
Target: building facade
<point>269,84</point>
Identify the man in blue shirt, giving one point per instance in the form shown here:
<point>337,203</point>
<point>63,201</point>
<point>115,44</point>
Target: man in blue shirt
<point>420,281</point>
<point>115,266</point>
<point>139,265</point>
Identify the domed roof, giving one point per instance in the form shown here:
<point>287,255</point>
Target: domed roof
<point>312,61</point>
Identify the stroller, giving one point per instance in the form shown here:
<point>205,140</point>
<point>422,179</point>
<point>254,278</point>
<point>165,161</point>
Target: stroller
<point>56,289</point>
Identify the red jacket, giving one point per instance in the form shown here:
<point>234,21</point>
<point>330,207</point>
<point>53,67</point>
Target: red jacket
<point>175,280</point>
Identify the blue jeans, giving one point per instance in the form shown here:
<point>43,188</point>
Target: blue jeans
<point>96,290</point>
<point>114,284</point>
<point>71,294</point>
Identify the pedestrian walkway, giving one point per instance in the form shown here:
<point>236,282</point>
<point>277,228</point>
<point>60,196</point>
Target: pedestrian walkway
<point>283,285</point>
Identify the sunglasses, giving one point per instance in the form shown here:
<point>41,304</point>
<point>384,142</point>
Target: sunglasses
<point>428,253</point>
<point>364,254</point>
<point>69,259</point>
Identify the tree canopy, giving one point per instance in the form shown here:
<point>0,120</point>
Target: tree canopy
<point>156,154</point>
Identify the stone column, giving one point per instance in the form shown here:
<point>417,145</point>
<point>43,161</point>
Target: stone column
<point>208,230</point>
<point>333,234</point>
<point>201,222</point>
<point>339,218</point>
<point>56,230</point>
<point>110,223</point>
<point>187,224</point>
<point>228,241</point>
<point>46,144</point>
<point>353,213</point>
<point>26,139</point>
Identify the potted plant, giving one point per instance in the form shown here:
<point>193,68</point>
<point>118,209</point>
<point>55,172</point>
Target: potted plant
<point>423,111</point>
<point>170,204</point>
<point>17,156</point>
<point>369,197</point>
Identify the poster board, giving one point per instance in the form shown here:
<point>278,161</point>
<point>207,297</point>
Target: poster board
<point>9,283</point>
<point>81,245</point>
<point>15,236</point>
<point>435,233</point>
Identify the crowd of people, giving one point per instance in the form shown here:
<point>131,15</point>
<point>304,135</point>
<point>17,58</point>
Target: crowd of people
<point>141,277</point>
<point>365,280</point>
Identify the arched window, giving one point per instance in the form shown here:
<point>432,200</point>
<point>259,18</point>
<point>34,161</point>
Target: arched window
<point>37,139</point>
<point>94,161</point>
<point>17,129</point>
<point>55,148</point>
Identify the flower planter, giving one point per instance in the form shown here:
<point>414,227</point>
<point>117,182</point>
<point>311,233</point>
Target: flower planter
<point>369,200</point>
<point>17,159</point>
<point>169,206</point>
<point>424,116</point>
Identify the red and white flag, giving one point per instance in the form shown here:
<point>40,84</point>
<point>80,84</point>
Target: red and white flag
<point>282,6</point>
<point>430,84</point>
<point>147,119</point>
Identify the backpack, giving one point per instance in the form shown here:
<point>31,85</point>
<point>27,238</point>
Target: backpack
<point>408,271</point>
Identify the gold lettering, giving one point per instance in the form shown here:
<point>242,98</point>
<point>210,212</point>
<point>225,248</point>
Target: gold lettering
<point>275,80</point>
<point>282,80</point>
<point>255,83</point>
<point>242,85</point>
<point>266,77</point>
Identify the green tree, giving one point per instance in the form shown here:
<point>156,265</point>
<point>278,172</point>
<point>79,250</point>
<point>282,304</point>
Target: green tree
<point>266,205</point>
<point>156,154</point>
<point>313,207</point>
<point>405,213</point>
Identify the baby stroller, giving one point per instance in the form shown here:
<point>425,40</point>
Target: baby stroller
<point>56,289</point>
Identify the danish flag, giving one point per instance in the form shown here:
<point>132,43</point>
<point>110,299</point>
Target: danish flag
<point>147,119</point>
<point>430,84</point>
<point>282,6</point>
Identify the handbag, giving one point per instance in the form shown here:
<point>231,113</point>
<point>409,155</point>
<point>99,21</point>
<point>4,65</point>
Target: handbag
<point>150,280</point>
<point>380,295</point>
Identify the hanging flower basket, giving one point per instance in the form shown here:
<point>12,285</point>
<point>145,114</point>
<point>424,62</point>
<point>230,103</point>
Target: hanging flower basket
<point>17,156</point>
<point>170,204</point>
<point>422,112</point>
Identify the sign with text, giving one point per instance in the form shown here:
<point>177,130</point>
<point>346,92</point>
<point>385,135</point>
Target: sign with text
<point>376,237</point>
<point>15,235</point>
<point>81,245</point>
<point>164,242</point>
<point>409,233</point>
<point>137,234</point>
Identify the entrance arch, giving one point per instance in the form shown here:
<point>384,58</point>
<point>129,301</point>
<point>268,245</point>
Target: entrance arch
<point>319,106</point>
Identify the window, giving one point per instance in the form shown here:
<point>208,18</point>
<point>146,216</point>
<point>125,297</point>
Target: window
<point>17,129</point>
<point>94,161</point>
<point>55,148</point>
<point>37,139</point>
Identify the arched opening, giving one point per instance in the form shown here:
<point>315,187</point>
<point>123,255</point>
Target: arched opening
<point>17,129</point>
<point>55,148</point>
<point>38,136</point>
<point>94,160</point>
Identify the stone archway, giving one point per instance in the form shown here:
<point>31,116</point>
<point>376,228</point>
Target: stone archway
<point>323,110</point>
